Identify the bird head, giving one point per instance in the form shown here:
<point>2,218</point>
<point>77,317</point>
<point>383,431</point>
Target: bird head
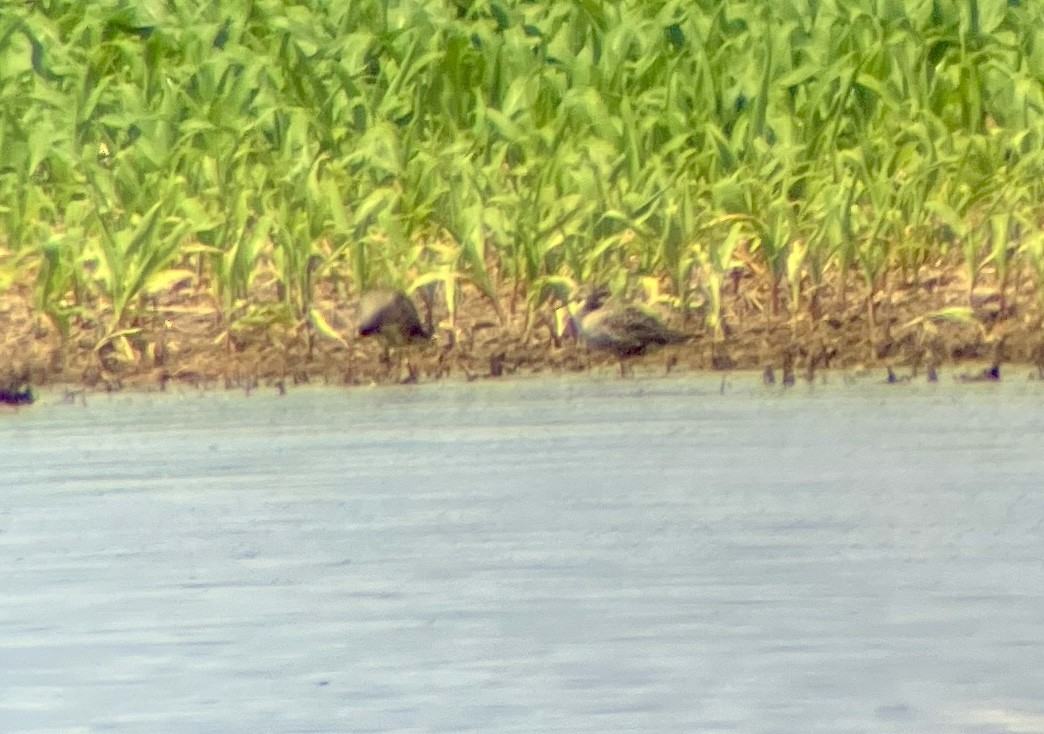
<point>588,298</point>
<point>582,301</point>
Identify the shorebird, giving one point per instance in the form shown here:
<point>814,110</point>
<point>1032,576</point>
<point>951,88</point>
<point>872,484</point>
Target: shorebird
<point>15,389</point>
<point>17,396</point>
<point>391,316</point>
<point>622,330</point>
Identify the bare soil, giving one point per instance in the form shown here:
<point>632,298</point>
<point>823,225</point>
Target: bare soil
<point>182,338</point>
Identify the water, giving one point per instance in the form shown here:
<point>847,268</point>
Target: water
<point>574,555</point>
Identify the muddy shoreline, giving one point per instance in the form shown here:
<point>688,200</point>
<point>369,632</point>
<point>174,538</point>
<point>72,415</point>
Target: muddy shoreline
<point>180,339</point>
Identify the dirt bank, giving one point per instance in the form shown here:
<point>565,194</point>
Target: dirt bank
<point>181,338</point>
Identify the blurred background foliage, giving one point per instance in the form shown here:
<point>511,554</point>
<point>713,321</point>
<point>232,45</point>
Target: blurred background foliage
<point>250,150</point>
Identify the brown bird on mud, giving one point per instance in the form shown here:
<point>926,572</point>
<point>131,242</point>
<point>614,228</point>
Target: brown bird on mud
<point>623,330</point>
<point>391,316</point>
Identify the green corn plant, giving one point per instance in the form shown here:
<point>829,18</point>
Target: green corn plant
<point>135,259</point>
<point>511,143</point>
<point>1000,238</point>
<point>1031,250</point>
<point>55,278</point>
<point>716,261</point>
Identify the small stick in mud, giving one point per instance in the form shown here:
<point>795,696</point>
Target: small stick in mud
<point>894,379</point>
<point>769,375</point>
<point>788,368</point>
<point>988,374</point>
<point>932,375</point>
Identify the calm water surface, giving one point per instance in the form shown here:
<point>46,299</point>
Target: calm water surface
<point>575,555</point>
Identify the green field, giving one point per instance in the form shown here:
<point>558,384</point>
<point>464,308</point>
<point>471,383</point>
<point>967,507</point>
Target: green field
<point>251,150</point>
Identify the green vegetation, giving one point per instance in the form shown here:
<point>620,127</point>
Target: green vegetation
<point>251,149</point>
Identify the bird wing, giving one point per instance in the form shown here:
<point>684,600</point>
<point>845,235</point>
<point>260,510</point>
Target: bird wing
<point>626,331</point>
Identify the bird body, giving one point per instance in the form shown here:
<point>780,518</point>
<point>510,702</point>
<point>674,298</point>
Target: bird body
<point>622,330</point>
<point>391,315</point>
